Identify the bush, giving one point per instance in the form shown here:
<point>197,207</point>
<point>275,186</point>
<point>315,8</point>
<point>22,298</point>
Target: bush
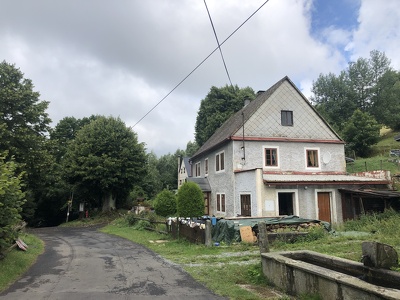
<point>11,200</point>
<point>165,203</point>
<point>190,200</point>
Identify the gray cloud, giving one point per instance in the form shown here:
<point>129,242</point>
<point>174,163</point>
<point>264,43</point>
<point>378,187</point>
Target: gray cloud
<point>121,58</point>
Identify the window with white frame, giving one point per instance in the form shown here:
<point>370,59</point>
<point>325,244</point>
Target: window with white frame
<point>220,202</point>
<point>271,157</point>
<point>206,166</point>
<point>312,157</point>
<point>220,162</point>
<point>197,169</point>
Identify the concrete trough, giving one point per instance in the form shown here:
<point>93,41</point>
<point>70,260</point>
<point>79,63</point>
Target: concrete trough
<point>308,272</point>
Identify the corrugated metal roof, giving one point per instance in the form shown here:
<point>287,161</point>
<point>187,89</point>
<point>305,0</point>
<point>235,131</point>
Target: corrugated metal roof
<point>373,193</point>
<point>318,179</point>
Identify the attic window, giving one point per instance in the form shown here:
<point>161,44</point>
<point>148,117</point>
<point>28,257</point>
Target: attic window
<point>287,118</point>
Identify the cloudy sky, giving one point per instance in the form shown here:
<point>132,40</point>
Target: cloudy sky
<point>121,58</point>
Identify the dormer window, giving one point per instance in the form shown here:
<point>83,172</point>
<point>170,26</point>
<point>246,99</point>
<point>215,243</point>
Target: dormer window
<point>286,118</point>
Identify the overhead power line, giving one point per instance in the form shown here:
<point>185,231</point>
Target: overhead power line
<point>191,72</point>
<point>219,46</point>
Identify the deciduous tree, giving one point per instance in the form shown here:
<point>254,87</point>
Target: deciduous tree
<point>217,107</point>
<point>361,132</point>
<point>106,160</point>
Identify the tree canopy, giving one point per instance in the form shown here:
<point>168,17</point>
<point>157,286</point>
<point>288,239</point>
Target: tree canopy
<point>217,107</point>
<point>361,132</point>
<point>25,125</point>
<point>105,160</point>
<point>364,85</point>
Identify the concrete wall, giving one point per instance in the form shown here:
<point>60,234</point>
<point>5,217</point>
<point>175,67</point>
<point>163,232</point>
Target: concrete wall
<point>297,277</point>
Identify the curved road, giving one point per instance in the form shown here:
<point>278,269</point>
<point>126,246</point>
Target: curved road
<point>82,263</point>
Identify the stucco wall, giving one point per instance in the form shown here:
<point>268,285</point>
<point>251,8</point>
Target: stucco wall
<point>291,156</point>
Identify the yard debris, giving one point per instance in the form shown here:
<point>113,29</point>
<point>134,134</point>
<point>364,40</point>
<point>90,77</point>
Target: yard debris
<point>21,245</point>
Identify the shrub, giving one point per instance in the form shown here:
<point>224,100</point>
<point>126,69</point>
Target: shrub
<point>165,203</point>
<point>11,200</point>
<point>190,200</point>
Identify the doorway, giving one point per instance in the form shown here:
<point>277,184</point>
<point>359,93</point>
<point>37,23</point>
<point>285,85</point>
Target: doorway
<point>285,204</point>
<point>245,205</point>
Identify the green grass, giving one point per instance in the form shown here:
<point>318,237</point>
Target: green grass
<point>227,269</point>
<point>17,262</point>
<point>381,160</point>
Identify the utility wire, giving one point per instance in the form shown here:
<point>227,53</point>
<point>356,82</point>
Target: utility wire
<point>219,46</point>
<point>187,76</point>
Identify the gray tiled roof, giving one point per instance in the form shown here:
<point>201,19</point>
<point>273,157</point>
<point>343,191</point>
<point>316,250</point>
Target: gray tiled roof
<point>233,124</point>
<point>187,166</point>
<point>202,182</point>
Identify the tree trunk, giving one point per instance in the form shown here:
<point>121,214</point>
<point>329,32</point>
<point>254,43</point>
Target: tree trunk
<point>108,202</point>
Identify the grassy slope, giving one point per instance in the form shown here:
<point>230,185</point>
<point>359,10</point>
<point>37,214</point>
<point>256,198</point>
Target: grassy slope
<point>381,158</point>
<point>18,262</point>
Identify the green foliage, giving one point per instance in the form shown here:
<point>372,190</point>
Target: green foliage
<point>167,167</point>
<point>105,160</point>
<point>24,125</point>
<point>217,107</point>
<point>11,201</point>
<point>361,132</point>
<point>386,106</point>
<point>255,274</point>
<point>131,219</point>
<point>152,180</point>
<point>190,200</point>
<point>191,148</point>
<point>165,203</point>
<point>369,85</point>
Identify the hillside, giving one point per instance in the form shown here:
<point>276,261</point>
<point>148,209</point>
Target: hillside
<point>381,158</point>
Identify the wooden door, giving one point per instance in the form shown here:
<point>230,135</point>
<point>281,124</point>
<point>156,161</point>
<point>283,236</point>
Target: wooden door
<point>324,206</point>
<point>245,205</point>
<point>207,203</point>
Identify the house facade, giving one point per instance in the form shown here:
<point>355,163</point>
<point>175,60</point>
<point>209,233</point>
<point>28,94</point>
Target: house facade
<point>277,156</point>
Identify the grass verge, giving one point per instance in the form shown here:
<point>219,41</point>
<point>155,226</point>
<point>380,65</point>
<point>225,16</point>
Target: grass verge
<point>17,262</point>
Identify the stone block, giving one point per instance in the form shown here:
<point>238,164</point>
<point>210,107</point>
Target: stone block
<point>379,255</point>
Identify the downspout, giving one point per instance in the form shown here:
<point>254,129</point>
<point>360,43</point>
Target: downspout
<point>243,147</point>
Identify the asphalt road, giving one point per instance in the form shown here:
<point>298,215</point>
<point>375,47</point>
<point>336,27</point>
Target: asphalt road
<point>86,264</point>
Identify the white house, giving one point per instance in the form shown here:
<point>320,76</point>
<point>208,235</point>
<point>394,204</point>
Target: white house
<point>277,156</point>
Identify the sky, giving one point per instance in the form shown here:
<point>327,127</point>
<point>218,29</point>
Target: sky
<point>133,59</point>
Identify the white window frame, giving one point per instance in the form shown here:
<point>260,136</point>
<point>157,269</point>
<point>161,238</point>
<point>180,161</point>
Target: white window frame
<point>306,158</point>
<point>265,160</point>
<point>219,195</point>
<point>218,159</point>
<point>206,167</point>
<point>296,208</point>
<point>197,168</point>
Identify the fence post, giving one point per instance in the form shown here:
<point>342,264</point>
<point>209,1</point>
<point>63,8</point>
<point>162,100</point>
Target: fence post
<point>208,241</point>
<point>263,237</point>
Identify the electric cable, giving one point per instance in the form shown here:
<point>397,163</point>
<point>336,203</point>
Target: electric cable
<point>219,46</point>
<point>187,76</point>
